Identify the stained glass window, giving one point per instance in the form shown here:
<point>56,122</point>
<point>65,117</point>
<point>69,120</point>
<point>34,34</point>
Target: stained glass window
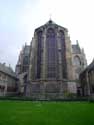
<point>77,61</point>
<point>39,47</point>
<point>51,53</point>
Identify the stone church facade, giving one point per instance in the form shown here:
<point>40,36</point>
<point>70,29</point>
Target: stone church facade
<point>54,64</point>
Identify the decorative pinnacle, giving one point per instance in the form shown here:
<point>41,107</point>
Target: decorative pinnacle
<point>50,16</point>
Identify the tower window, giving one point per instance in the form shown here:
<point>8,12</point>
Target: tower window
<point>77,61</point>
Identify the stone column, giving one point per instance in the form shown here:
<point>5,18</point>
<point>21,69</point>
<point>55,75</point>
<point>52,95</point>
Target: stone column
<point>88,85</point>
<point>44,58</point>
<point>69,57</point>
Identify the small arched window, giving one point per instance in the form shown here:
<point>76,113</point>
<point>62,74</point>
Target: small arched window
<point>77,61</point>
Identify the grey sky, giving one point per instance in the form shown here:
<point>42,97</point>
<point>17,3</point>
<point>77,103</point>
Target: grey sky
<point>19,18</point>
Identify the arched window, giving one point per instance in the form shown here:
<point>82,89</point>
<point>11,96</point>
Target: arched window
<point>62,39</point>
<point>61,36</point>
<point>50,32</point>
<point>51,53</point>
<point>39,46</point>
<point>77,61</point>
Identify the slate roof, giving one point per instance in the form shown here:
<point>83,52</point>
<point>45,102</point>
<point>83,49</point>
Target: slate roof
<point>76,49</point>
<point>51,22</point>
<point>7,70</point>
<point>89,67</point>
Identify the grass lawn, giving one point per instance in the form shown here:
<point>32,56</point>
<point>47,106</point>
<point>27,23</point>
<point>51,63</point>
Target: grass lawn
<point>46,113</point>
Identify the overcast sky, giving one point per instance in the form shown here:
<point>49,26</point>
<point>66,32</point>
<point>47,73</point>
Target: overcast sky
<point>19,18</point>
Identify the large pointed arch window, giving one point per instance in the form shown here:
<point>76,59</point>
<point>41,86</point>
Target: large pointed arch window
<point>39,47</point>
<point>51,53</point>
<point>77,61</point>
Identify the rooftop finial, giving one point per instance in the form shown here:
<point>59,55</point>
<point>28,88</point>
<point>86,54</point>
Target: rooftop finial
<point>77,42</point>
<point>50,16</point>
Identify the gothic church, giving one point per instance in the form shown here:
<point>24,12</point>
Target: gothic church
<point>49,68</point>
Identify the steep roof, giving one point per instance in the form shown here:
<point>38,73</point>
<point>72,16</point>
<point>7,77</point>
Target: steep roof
<point>76,49</point>
<point>50,22</point>
<point>89,67</point>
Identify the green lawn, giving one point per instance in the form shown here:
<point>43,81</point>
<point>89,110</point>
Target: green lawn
<point>46,113</point>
